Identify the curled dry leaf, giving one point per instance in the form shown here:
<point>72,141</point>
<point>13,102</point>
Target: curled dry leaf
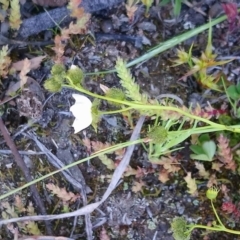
<point>62,193</point>
<point>191,184</point>
<point>34,63</point>
<point>163,176</point>
<point>137,186</point>
<point>25,70</point>
<point>201,170</point>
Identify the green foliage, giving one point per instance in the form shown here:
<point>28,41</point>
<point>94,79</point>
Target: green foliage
<point>148,4</point>
<point>75,74</point>
<point>212,193</point>
<point>96,114</point>
<point>233,92</point>
<point>115,93</point>
<point>131,88</point>
<point>54,84</point>
<point>5,4</point>
<point>15,15</point>
<point>204,150</point>
<point>199,65</point>
<point>182,230</point>
<point>5,61</point>
<point>158,134</point>
<point>177,6</point>
<point>179,228</point>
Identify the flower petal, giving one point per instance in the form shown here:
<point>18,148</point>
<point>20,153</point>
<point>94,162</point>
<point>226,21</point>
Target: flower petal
<point>81,110</point>
<point>80,124</point>
<point>81,107</point>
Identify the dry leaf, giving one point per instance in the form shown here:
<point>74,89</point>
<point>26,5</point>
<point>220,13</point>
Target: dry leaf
<point>191,184</point>
<point>19,204</point>
<point>217,166</point>
<point>163,176</point>
<point>212,181</point>
<point>62,193</point>
<point>25,70</point>
<point>104,88</point>
<point>202,172</point>
<point>35,63</point>
<point>170,163</point>
<point>137,186</point>
<point>104,235</point>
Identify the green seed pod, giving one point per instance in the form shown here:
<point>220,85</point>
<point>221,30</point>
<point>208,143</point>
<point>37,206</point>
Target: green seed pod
<point>76,75</point>
<point>212,193</point>
<point>179,228</point>
<point>115,93</point>
<point>96,114</point>
<point>58,69</point>
<point>52,85</point>
<point>158,134</point>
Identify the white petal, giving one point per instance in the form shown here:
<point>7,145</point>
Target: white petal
<point>80,124</point>
<point>81,107</point>
<point>82,99</point>
<point>81,110</point>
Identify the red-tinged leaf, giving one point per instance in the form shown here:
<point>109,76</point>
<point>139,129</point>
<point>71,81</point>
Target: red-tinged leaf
<point>232,14</point>
<point>35,63</point>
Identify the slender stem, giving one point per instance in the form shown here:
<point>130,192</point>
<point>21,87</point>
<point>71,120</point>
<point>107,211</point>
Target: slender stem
<point>134,105</point>
<point>216,228</point>
<point>104,151</point>
<point>117,111</point>
<point>215,212</point>
<point>167,44</point>
<point>228,97</point>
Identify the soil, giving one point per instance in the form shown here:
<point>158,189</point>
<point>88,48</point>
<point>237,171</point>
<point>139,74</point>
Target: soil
<point>38,114</point>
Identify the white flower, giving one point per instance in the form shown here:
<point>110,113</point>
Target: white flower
<point>81,110</point>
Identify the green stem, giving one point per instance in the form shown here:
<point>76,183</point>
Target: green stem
<point>233,104</point>
<point>218,127</point>
<point>168,44</point>
<point>104,151</point>
<point>116,111</point>
<point>215,212</point>
<point>216,228</point>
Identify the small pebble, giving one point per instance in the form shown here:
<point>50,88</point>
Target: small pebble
<point>106,26</point>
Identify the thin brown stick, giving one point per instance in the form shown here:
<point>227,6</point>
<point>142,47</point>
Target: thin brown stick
<point>25,171</point>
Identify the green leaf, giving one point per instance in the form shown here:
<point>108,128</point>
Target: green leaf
<point>238,88</point>
<point>233,93</point>
<point>209,148</point>
<point>202,157</point>
<point>197,149</point>
<point>164,2</point>
<point>203,138</point>
<point>177,7</point>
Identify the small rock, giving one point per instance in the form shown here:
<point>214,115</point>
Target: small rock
<point>147,26</point>
<point>106,26</point>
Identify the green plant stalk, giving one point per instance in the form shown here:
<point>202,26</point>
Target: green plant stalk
<point>215,212</point>
<point>220,227</point>
<point>105,151</point>
<point>216,228</point>
<point>233,104</point>
<point>218,127</point>
<point>116,111</point>
<point>168,44</point>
